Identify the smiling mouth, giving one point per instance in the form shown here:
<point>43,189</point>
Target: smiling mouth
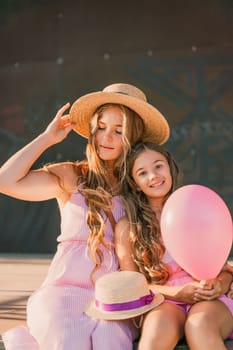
<point>157,184</point>
<point>106,147</point>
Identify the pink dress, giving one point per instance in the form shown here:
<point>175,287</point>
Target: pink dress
<point>55,316</point>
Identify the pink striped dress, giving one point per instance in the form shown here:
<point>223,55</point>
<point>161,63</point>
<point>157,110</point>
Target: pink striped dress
<point>55,316</point>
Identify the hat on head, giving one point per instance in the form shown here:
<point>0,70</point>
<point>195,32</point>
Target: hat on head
<point>120,295</point>
<point>82,110</point>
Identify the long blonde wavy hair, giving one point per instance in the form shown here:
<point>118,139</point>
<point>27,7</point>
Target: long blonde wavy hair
<point>93,177</point>
<point>145,235</point>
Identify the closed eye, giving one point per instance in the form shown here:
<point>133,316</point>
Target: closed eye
<point>142,173</point>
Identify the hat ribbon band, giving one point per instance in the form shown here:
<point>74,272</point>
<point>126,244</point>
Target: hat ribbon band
<point>145,300</point>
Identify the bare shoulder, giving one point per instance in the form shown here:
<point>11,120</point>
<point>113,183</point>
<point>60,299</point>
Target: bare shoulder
<point>60,168</point>
<point>66,174</point>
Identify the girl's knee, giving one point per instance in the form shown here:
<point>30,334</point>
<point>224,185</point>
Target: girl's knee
<point>163,332</point>
<point>196,319</point>
<point>200,325</point>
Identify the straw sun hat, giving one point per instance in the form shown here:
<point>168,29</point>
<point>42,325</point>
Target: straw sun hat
<point>120,295</point>
<point>82,110</point>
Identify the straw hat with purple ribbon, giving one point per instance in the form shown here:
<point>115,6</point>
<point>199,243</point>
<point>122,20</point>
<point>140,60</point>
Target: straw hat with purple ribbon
<point>83,109</point>
<point>120,295</point>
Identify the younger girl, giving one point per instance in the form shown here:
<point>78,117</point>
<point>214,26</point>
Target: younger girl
<point>198,310</point>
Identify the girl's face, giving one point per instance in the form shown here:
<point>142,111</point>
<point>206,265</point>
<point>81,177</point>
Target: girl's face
<point>151,173</point>
<point>108,137</point>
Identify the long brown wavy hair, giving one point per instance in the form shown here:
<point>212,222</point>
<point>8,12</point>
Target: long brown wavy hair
<point>93,180</point>
<point>145,235</point>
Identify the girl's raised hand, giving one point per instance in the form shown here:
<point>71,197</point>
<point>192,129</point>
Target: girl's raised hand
<point>60,126</point>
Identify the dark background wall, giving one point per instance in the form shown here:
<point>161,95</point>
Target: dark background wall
<point>179,52</point>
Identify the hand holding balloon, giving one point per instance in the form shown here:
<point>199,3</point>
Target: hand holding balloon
<point>196,228</point>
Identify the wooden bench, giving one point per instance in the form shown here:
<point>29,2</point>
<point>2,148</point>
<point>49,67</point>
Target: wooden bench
<point>180,346</point>
<point>20,275</point>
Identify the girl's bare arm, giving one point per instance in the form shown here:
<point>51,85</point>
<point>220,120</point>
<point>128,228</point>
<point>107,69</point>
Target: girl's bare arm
<point>16,177</point>
<point>123,246</point>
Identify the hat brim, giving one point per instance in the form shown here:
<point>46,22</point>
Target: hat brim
<point>82,110</point>
<point>94,312</point>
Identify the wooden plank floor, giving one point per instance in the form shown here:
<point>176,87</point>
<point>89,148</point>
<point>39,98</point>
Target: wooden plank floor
<point>20,275</point>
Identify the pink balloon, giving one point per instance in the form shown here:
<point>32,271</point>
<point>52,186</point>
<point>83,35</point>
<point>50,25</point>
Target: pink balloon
<point>196,228</point>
